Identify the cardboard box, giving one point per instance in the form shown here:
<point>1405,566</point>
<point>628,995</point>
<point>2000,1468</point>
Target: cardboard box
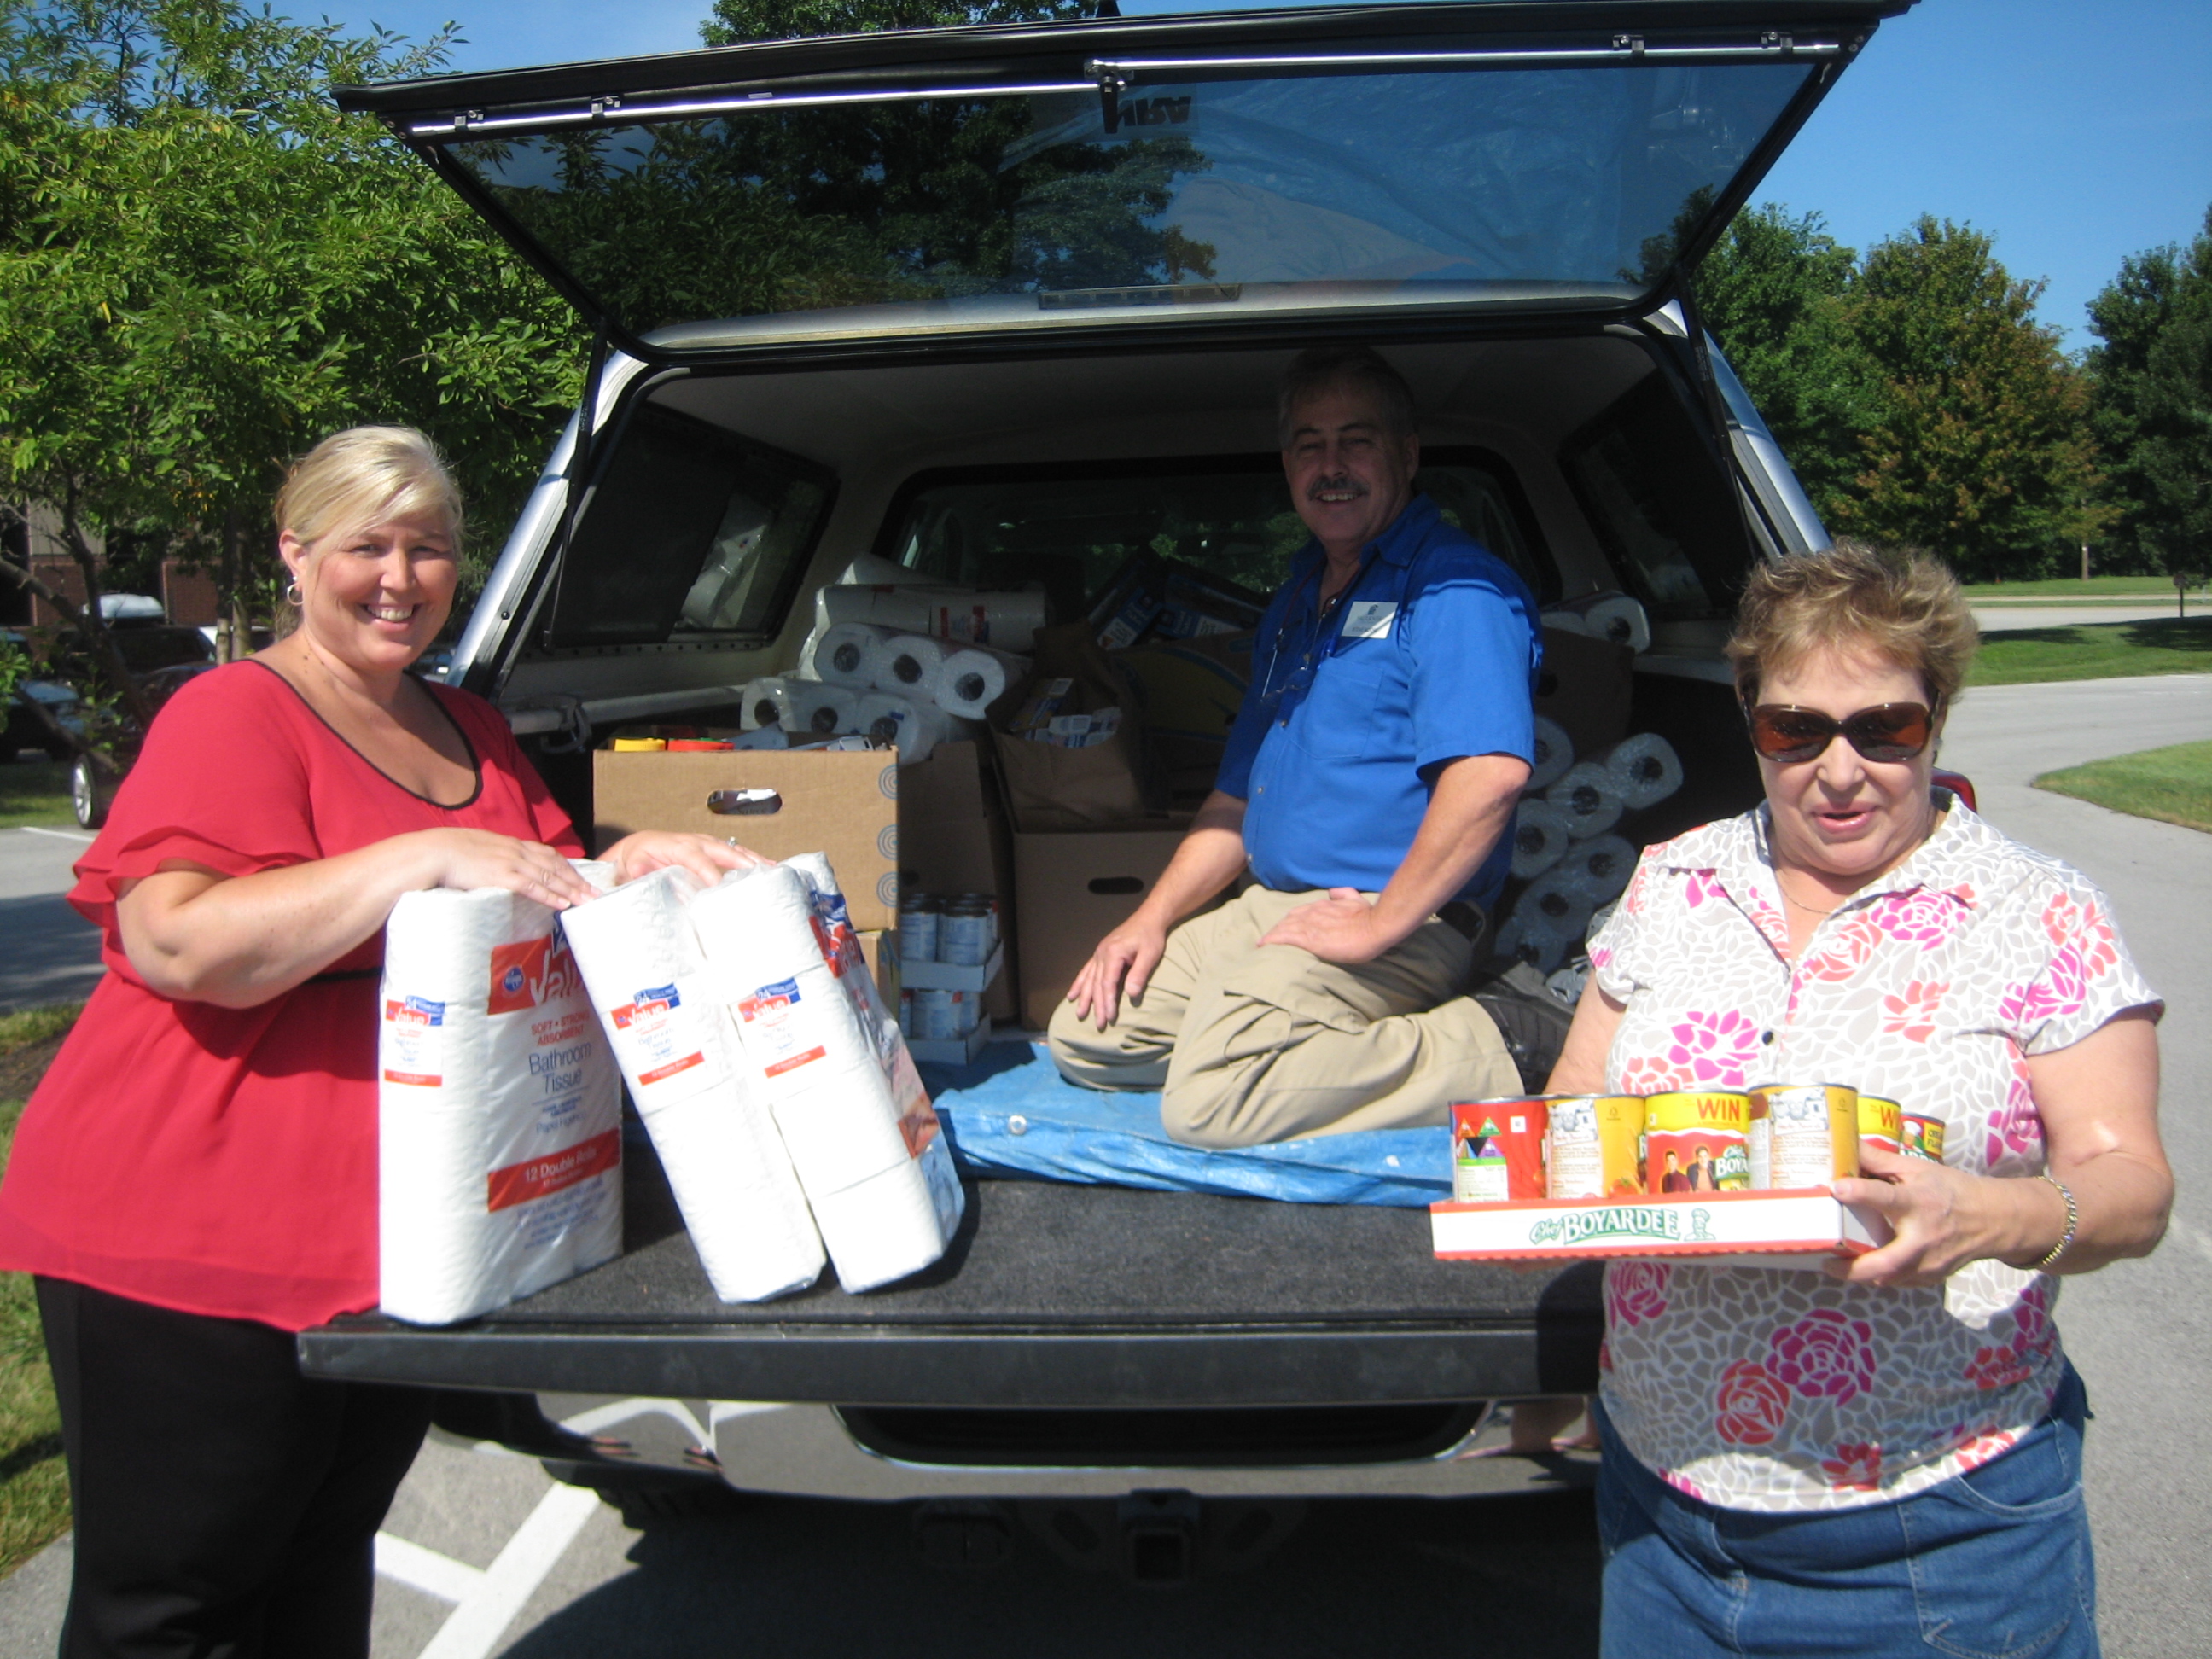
<point>1585,686</point>
<point>1755,1230</point>
<point>952,838</point>
<point>777,803</point>
<point>950,1051</point>
<point>1070,891</point>
<point>952,976</point>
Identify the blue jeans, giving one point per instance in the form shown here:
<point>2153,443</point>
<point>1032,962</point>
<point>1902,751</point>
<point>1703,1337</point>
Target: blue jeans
<point>1992,1565</point>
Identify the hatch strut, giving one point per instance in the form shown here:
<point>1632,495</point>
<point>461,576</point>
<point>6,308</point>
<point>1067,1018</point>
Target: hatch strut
<point>581,459</point>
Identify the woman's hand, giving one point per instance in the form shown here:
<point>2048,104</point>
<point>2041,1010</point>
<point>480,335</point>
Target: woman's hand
<point>1942,1218</point>
<point>704,856</point>
<point>481,858</point>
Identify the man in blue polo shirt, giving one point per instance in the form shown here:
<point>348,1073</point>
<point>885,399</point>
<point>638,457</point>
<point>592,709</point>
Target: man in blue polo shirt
<point>1368,787</point>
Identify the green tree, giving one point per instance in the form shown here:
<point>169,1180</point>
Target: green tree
<point>1771,290</point>
<point>2152,407</point>
<point>1978,447</point>
<point>205,268</point>
<point>738,20</point>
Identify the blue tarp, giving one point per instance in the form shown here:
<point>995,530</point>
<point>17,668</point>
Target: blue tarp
<point>1012,1114</point>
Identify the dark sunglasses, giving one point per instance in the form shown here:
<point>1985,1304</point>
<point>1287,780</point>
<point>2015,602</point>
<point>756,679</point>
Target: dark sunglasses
<point>1888,732</point>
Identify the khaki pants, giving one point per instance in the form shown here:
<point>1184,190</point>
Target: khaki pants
<point>1250,1043</point>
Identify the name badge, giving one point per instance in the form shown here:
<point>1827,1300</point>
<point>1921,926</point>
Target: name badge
<point>1369,619</point>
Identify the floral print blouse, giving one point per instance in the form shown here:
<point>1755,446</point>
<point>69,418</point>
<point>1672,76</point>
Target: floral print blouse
<point>1782,1389</point>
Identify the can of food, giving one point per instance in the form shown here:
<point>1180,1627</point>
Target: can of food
<point>1498,1149</point>
<point>989,903</point>
<point>967,1011</point>
<point>1881,1122</point>
<point>1697,1141</point>
<point>1920,1136</point>
<point>1590,1146</point>
<point>933,1015</point>
<point>920,915</point>
<point>964,937</point>
<point>1802,1134</point>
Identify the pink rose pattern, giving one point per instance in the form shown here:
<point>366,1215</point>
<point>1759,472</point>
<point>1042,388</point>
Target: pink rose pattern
<point>1786,1391</point>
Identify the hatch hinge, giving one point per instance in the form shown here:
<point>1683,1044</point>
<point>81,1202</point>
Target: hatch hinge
<point>1774,40</point>
<point>600,106</point>
<point>1630,44</point>
<point>1112,83</point>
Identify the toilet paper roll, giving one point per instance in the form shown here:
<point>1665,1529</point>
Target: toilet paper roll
<point>1565,621</point>
<point>1617,618</point>
<point>1555,753</point>
<point>1531,939</point>
<point>1598,868</point>
<point>1004,621</point>
<point>765,737</point>
<point>1539,838</point>
<point>840,656</point>
<point>766,702</point>
<point>726,1161</point>
<point>1557,902</point>
<point>911,665</point>
<point>1644,769</point>
<point>837,1096</point>
<point>820,710</point>
<point>974,678</point>
<point>1587,796</point>
<point>892,1225</point>
<point>916,727</point>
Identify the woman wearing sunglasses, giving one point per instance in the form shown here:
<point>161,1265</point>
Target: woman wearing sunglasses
<point>1884,1458</point>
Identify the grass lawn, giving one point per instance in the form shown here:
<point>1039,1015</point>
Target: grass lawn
<point>2072,587</point>
<point>35,1506</point>
<point>2095,651</point>
<point>35,791</point>
<point>2173,784</point>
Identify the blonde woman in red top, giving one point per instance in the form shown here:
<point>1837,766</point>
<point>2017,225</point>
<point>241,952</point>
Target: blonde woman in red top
<point>194,1181</point>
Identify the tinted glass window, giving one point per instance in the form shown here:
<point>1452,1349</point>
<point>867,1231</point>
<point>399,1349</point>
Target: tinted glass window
<point>692,531</point>
<point>1231,516</point>
<point>1203,192</point>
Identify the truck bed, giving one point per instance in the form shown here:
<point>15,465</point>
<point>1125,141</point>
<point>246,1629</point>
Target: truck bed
<point>1052,1296</point>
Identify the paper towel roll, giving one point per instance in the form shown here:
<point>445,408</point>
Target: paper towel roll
<point>766,702</point>
<point>911,665</point>
<point>1007,622</point>
<point>1598,868</point>
<point>1555,753</point>
<point>840,657</point>
<point>1587,796</point>
<point>1531,939</point>
<point>718,1146</point>
<point>1617,618</point>
<point>974,678</point>
<point>1558,901</point>
<point>1644,769</point>
<point>821,710</point>
<point>809,1053</point>
<point>1539,838</point>
<point>499,1111</point>
<point>916,727</point>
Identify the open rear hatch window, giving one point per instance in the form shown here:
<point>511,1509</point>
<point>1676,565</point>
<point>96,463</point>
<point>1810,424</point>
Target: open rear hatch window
<point>1059,175</point>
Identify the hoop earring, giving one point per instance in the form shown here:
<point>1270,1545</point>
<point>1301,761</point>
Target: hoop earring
<point>293,596</point>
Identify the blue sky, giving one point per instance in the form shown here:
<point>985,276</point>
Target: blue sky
<point>2077,131</point>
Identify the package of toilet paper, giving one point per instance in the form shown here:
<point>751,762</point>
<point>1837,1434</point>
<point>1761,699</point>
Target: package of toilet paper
<point>719,1146</point>
<point>499,1110</point>
<point>825,1054</point>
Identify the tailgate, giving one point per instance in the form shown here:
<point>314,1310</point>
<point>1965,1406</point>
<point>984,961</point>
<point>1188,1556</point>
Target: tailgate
<point>1051,1296</point>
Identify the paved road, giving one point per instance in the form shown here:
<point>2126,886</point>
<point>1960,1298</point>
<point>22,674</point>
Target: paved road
<point>52,955</point>
<point>2015,614</point>
<point>482,1555</point>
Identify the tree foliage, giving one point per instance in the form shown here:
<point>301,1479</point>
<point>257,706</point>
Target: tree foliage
<point>2152,375</point>
<point>205,268</point>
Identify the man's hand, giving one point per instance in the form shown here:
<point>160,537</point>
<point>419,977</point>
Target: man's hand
<point>1124,957</point>
<point>1342,927</point>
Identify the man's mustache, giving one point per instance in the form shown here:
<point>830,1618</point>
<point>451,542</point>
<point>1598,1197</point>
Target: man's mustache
<point>1344,483</point>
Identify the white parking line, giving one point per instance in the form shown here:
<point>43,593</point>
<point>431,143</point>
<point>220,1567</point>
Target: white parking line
<point>58,835</point>
<point>426,1570</point>
<point>486,1600</point>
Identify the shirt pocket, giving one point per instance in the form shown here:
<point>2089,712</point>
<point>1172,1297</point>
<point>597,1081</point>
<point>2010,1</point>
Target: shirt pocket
<point>1357,709</point>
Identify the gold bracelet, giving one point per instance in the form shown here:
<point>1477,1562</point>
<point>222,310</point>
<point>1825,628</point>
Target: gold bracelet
<point>2073,1220</point>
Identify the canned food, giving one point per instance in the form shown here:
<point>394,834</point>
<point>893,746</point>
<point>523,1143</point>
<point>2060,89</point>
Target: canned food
<point>1920,1136</point>
<point>920,916</point>
<point>1592,1145</point>
<point>1498,1149</point>
<point>967,1011</point>
<point>933,1015</point>
<point>964,937</point>
<point>989,901</point>
<point>1697,1141</point>
<point>1881,1122</point>
<point>1802,1134</point>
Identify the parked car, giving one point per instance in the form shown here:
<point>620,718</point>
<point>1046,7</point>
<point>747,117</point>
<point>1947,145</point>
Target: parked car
<point>41,713</point>
<point>1001,305</point>
<point>161,658</point>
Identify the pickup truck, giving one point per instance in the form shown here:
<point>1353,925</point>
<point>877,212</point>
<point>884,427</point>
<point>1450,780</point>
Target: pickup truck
<point>1001,305</point>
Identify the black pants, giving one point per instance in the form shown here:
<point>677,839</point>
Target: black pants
<point>226,1505</point>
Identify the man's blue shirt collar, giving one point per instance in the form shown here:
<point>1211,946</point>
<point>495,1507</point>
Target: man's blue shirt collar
<point>1397,544</point>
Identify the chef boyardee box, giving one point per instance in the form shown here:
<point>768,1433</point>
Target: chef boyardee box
<point>1800,1229</point>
